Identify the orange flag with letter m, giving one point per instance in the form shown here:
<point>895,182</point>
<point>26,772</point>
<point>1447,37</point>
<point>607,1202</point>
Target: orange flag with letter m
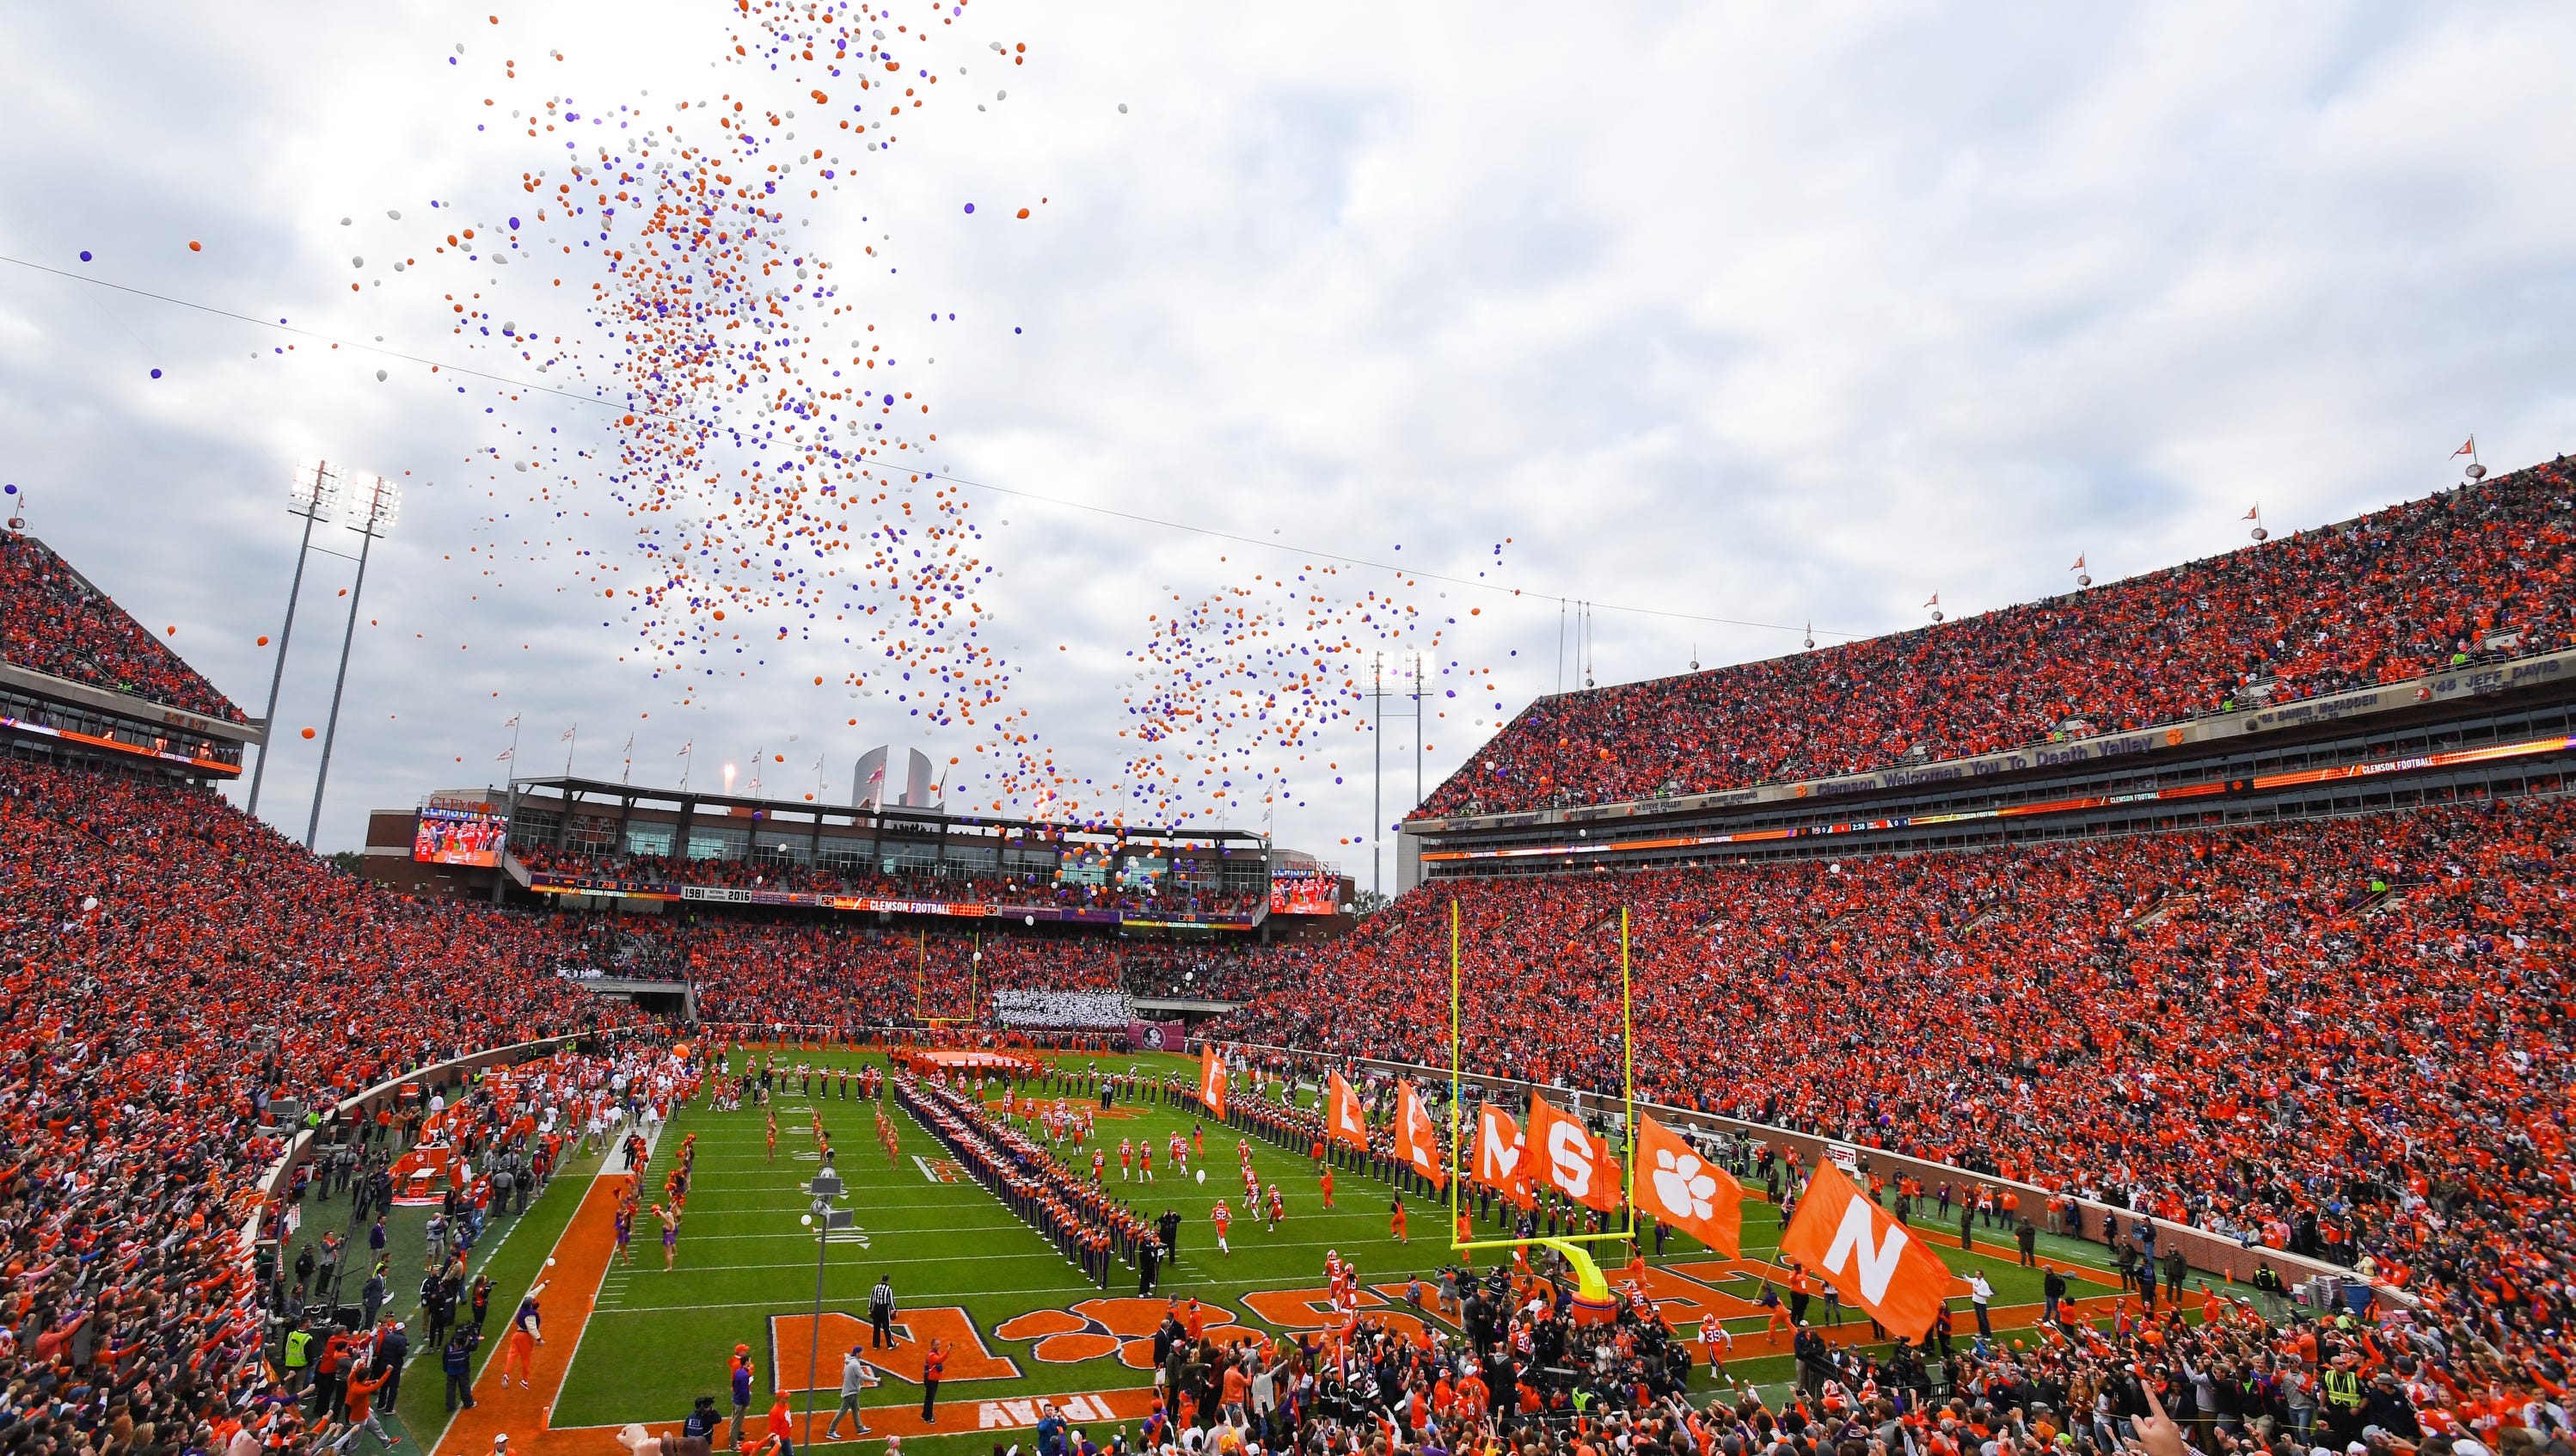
<point>1678,1187</point>
<point>1860,1249</point>
<point>1416,1141</point>
<point>1342,1111</point>
<point>1502,1160</point>
<point>1212,1082</point>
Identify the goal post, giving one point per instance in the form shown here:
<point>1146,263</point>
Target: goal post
<point>1591,1288</point>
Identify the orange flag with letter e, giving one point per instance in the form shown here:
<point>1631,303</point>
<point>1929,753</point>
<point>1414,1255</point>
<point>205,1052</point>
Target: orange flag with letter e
<point>1678,1187</point>
<point>1416,1141</point>
<point>1342,1110</point>
<point>1212,1082</point>
<point>1502,1160</point>
<point>1861,1250</point>
<point>1572,1161</point>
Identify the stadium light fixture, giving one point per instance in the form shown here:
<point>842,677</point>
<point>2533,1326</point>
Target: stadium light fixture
<point>313,492</point>
<point>375,504</point>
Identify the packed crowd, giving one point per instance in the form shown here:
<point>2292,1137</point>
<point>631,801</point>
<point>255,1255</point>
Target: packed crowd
<point>2388,596</point>
<point>819,973</point>
<point>2315,1034</point>
<point>784,875</point>
<point>53,622</point>
<point>1048,1008</point>
<point>761,968</point>
<point>172,968</point>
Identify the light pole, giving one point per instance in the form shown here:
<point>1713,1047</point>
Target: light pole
<point>825,1187</point>
<point>379,502</point>
<point>313,493</point>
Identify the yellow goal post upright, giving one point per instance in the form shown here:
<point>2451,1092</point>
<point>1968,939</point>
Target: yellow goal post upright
<point>1591,1289</point>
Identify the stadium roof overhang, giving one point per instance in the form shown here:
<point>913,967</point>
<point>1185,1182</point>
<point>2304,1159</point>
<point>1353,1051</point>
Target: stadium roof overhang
<point>125,705</point>
<point>927,821</point>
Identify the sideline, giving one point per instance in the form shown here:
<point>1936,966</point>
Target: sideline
<point>580,1257</point>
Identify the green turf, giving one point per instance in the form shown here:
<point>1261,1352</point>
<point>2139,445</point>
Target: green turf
<point>659,1337</point>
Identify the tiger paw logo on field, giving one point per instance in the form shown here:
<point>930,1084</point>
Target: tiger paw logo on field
<point>1684,1183</point>
<point>1098,1328</point>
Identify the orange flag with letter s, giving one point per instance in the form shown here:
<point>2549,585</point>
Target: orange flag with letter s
<point>1417,1142</point>
<point>1502,1159</point>
<point>1212,1080</point>
<point>1861,1250</point>
<point>1678,1187</point>
<point>1572,1161</point>
<point>1342,1112</point>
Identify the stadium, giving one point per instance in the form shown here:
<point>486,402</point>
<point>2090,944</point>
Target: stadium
<point>2166,1032</point>
<point>2128,1020</point>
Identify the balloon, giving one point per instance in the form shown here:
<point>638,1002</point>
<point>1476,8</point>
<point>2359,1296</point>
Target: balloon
<point>308,732</point>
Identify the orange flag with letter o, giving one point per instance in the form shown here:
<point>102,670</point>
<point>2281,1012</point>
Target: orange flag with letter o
<point>1212,1082</point>
<point>1678,1187</point>
<point>1342,1111</point>
<point>1861,1249</point>
<point>1417,1142</point>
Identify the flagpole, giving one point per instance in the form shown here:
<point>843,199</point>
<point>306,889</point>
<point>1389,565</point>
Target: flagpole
<point>1628,1036</point>
<point>1454,1088</point>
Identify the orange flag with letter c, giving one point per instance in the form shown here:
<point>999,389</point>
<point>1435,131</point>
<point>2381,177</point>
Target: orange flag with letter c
<point>1678,1187</point>
<point>1862,1250</point>
<point>1342,1111</point>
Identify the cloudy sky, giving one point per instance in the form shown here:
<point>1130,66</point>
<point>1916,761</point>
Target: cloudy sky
<point>1778,314</point>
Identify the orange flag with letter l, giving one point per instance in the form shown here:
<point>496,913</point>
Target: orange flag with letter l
<point>1342,1111</point>
<point>1678,1187</point>
<point>1863,1251</point>
<point>1416,1141</point>
<point>1212,1080</point>
<point>1572,1161</point>
<point>1502,1160</point>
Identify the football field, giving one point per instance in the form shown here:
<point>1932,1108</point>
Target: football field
<point>629,1340</point>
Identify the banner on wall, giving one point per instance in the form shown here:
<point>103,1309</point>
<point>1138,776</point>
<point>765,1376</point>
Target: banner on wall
<point>1155,1036</point>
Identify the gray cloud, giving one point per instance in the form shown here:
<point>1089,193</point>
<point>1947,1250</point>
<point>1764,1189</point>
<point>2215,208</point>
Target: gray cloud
<point>1772,313</point>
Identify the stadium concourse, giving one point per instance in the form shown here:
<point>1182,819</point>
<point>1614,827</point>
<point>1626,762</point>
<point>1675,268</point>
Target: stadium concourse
<point>2343,1039</point>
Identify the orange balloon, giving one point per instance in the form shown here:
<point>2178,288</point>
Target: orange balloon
<point>195,246</point>
<point>308,732</point>
<point>263,642</point>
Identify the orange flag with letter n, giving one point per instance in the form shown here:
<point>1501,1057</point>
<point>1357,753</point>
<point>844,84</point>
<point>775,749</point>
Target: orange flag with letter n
<point>1342,1110</point>
<point>1678,1187</point>
<point>1860,1249</point>
<point>1212,1082</point>
<point>1417,1142</point>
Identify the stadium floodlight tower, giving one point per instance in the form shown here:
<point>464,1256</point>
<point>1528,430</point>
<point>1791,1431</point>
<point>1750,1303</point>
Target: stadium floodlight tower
<point>313,494</point>
<point>376,502</point>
